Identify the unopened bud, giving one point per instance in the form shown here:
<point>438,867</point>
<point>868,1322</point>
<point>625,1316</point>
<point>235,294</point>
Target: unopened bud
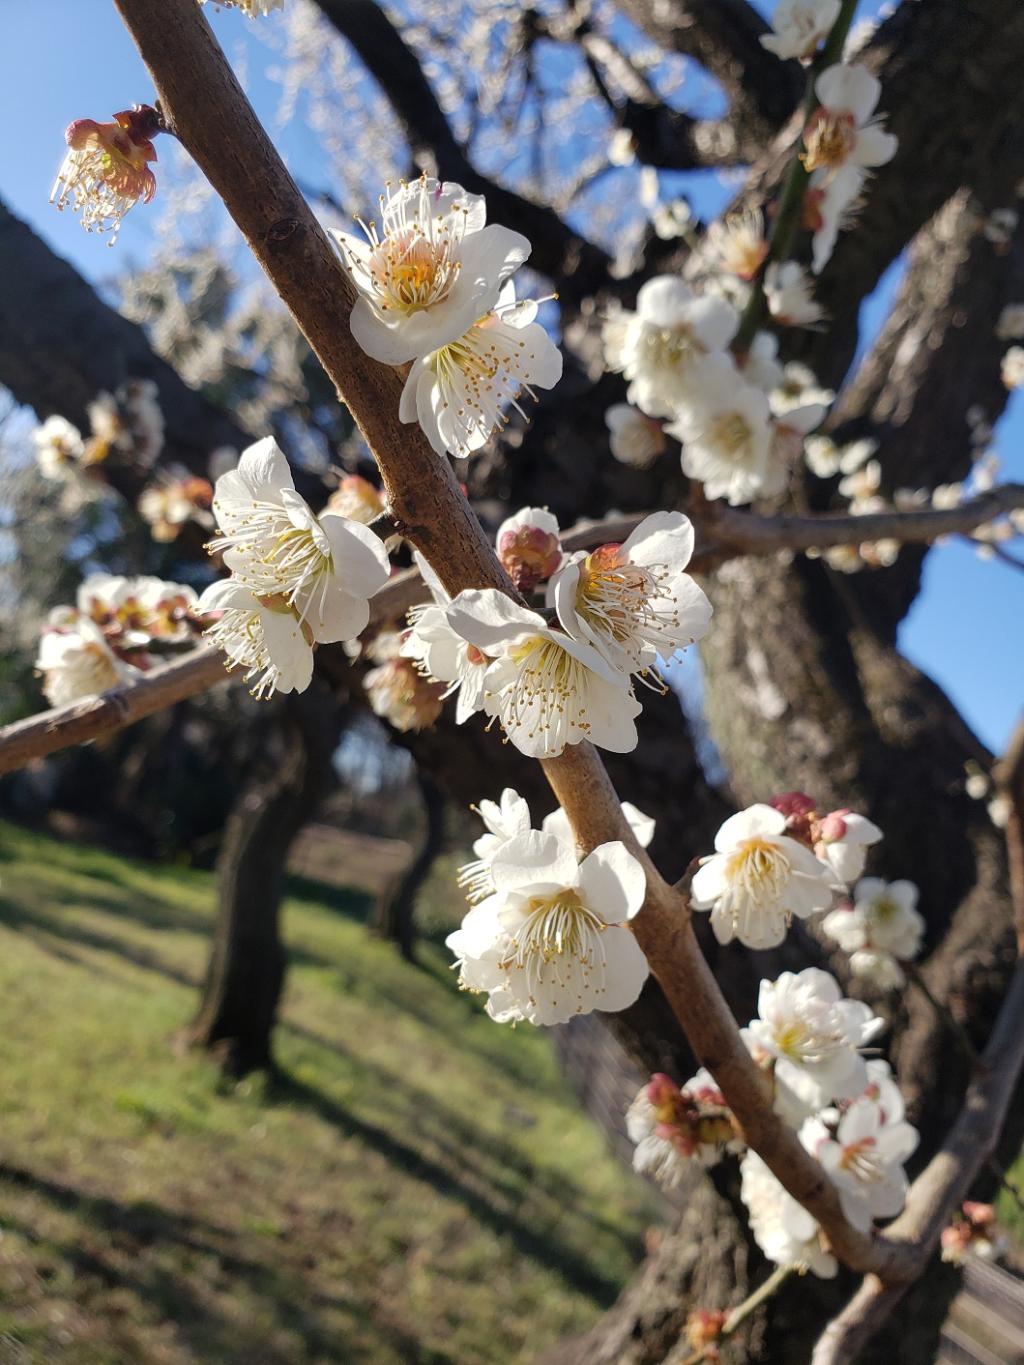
<point>529,548</point>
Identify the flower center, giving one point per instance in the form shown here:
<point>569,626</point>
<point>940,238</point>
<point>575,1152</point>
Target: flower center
<point>669,347</point>
<point>801,1042</point>
<point>281,558</point>
<point>829,139</point>
<point>627,603</point>
<point>862,1160</point>
<point>760,870</point>
<point>560,943</point>
<point>548,689</point>
<point>732,434</point>
<point>884,909</point>
<point>410,272</point>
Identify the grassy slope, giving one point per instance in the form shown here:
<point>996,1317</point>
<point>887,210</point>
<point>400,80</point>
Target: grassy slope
<point>420,1188</point>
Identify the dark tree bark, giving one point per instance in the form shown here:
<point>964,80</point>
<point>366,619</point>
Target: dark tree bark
<point>394,915</point>
<point>246,972</point>
<point>60,345</point>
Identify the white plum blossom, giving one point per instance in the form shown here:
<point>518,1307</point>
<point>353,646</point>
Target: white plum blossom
<point>881,928</point>
<point>552,941</point>
<point>864,1160</point>
<point>78,662</point>
<point>252,9</point>
<point>440,653</point>
<point>789,295</point>
<point>458,392</point>
<point>505,819</point>
<point>633,438</point>
<point>325,567</point>
<point>814,1037</point>
<point>546,689</point>
<point>861,485</point>
<point>1012,367</point>
<point>59,448</point>
<point>528,546</point>
<point>726,434</point>
<point>263,636</point>
<point>832,202</point>
<point>758,879</point>
<point>672,220</point>
<point>761,365</point>
<point>799,26</point>
<point>672,1127</point>
<point>783,1229</point>
<point>841,132</point>
<point>431,271</point>
<point>634,602</point>
<point>844,840</point>
<point>657,347</point>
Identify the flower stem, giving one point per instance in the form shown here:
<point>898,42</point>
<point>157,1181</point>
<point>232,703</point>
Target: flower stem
<point>787,218</point>
<point>742,1311</point>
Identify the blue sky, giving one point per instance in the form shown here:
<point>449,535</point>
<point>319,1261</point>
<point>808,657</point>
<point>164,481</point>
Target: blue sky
<point>966,627</point>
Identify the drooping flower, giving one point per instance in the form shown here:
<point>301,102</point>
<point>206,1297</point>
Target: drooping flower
<point>431,272</point>
<point>814,1036</point>
<point>841,132</point>
<point>528,547</point>
<point>799,26</point>
<point>326,567</point>
<point>459,392</point>
<point>788,292</point>
<point>106,170</point>
<point>634,602</point>
<point>864,1160</point>
<point>758,879</point>
<point>78,662</point>
<point>737,244</point>
<point>783,1229</point>
<point>546,689</point>
<point>633,438</point>
<point>262,635</point>
<point>657,347</point>
<point>726,434</point>
<point>552,941</point>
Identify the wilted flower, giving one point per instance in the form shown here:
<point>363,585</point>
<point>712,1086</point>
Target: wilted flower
<point>106,170</point>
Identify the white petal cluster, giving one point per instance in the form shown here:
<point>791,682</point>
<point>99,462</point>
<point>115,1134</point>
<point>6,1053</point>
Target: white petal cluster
<point>789,295</point>
<point>553,941</point>
<point>842,142</point>
<point>252,9</point>
<point>798,26</point>
<point>863,1155</point>
<point>78,662</point>
<point>880,929</point>
<point>783,1229</point>
<point>619,611</point>
<point>633,438</point>
<point>759,879</point>
<point>672,1127</point>
<point>814,1039</point>
<point>435,289</point>
<point>508,818</point>
<point>297,579</point>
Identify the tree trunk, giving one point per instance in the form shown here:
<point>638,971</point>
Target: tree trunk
<point>245,976</point>
<point>394,914</point>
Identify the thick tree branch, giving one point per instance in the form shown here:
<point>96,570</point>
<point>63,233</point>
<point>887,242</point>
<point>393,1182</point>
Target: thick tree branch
<point>576,265</point>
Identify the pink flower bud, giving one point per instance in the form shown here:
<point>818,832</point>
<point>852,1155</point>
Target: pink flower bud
<point>833,827</point>
<point>529,548</point>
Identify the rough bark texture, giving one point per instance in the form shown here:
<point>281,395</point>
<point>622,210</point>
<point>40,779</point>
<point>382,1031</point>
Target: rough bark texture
<point>246,972</point>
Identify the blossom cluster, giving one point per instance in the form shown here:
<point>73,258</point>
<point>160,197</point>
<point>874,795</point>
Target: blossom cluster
<point>547,936</point>
<point>126,431</point>
<point>846,1108</point>
<point>435,292</point>
<point>296,579</point>
<point>617,612</point>
<point>112,634</point>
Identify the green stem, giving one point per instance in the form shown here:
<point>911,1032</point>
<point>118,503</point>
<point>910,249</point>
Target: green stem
<point>743,1311</point>
<point>791,200</point>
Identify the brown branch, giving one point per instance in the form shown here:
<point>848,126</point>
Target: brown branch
<point>208,111</point>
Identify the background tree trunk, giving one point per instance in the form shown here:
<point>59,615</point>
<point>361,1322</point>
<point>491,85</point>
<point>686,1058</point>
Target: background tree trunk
<point>247,965</point>
<point>394,916</point>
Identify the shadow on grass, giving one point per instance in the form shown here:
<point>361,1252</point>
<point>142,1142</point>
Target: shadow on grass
<point>130,1229</point>
<point>539,1246</point>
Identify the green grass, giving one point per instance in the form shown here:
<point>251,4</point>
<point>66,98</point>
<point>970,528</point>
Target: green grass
<point>419,1188</point>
